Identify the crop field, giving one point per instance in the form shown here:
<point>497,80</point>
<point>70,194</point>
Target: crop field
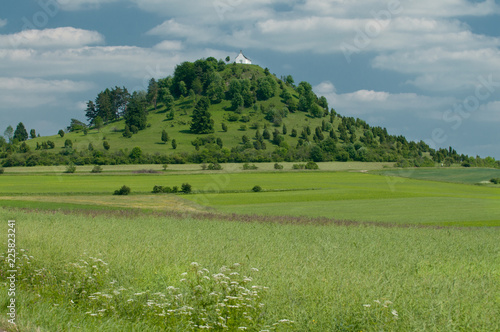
<point>323,278</point>
<point>345,248</point>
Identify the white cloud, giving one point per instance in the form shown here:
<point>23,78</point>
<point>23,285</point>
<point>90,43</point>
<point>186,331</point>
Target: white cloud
<point>66,37</point>
<point>169,45</point>
<point>3,22</point>
<point>16,92</point>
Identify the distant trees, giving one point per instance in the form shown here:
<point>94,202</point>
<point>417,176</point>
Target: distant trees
<point>60,133</point>
<point>20,133</point>
<point>202,122</point>
<point>9,133</point>
<point>32,133</point>
<point>135,114</point>
<point>76,125</point>
<point>109,105</point>
<point>164,136</point>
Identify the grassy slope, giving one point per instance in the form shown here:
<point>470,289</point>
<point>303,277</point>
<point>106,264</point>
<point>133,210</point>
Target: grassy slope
<point>319,276</point>
<point>458,175</point>
<point>340,195</point>
<point>150,139</point>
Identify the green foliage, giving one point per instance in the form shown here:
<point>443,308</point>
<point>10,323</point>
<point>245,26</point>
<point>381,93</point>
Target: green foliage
<point>164,136</point>
<point>186,188</point>
<point>68,144</point>
<point>495,180</point>
<point>247,166</point>
<point>106,145</point>
<point>257,189</point>
<point>135,114</point>
<point>2,170</point>
<point>71,168</point>
<point>123,191</point>
<point>202,122</point>
<point>174,144</point>
<point>61,133</point>
<point>278,166</point>
<point>224,127</point>
<point>214,167</point>
<point>20,134</point>
<point>136,153</point>
<point>311,165</point>
<point>97,169</point>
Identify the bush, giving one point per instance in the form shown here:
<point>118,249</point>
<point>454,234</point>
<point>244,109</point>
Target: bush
<point>2,170</point>
<point>311,165</point>
<point>495,180</point>
<point>161,189</point>
<point>257,189</point>
<point>105,145</point>
<point>61,133</point>
<point>96,169</point>
<point>68,144</point>
<point>298,166</point>
<point>186,188</point>
<point>214,167</point>
<point>278,166</point>
<point>122,191</point>
<point>165,166</point>
<point>247,166</point>
<point>71,168</point>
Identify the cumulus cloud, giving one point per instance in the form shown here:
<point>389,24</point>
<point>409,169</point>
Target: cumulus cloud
<point>65,37</point>
<point>3,23</point>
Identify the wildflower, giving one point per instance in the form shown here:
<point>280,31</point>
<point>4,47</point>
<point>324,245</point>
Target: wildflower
<point>395,314</point>
<point>254,269</point>
<point>367,305</point>
<point>242,328</point>
<point>184,274</point>
<point>194,264</point>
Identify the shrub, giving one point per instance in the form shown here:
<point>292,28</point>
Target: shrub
<point>278,166</point>
<point>186,188</point>
<point>257,189</point>
<point>175,189</point>
<point>247,166</point>
<point>71,168</point>
<point>68,144</point>
<point>165,166</point>
<point>495,180</point>
<point>214,167</point>
<point>122,191</point>
<point>2,170</point>
<point>61,133</point>
<point>311,165</point>
<point>105,145</point>
<point>298,166</point>
<point>96,169</point>
<point>161,189</point>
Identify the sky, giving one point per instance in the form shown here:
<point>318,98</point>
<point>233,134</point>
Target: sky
<point>428,70</point>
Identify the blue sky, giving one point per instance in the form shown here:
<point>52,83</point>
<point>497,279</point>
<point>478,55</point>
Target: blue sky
<point>429,70</point>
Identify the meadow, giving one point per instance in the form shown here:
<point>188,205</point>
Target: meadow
<point>323,278</point>
<point>345,248</point>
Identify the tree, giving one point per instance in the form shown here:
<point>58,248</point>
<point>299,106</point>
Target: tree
<point>284,130</point>
<point>152,95</point>
<point>68,144</point>
<point>228,59</point>
<point>106,145</point>
<point>91,111</point>
<point>237,101</point>
<point>135,115</point>
<point>164,136</point>
<point>32,133</point>
<point>61,133</point>
<point>21,134</point>
<point>186,188</point>
<point>224,127</point>
<point>98,122</point>
<point>76,125</point>
<point>174,144</point>
<point>9,133</point>
<point>127,133</point>
<point>202,122</point>
<point>136,154</point>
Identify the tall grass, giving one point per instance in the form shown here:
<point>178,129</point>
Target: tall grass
<point>323,278</point>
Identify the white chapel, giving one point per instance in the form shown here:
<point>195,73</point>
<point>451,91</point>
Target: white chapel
<point>242,59</point>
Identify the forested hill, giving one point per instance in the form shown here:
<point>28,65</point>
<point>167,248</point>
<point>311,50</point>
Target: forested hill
<point>211,111</point>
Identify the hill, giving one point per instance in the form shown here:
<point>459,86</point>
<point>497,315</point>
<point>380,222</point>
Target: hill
<point>246,114</point>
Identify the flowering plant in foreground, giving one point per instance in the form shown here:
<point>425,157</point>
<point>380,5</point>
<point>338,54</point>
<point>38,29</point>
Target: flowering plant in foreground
<point>225,300</point>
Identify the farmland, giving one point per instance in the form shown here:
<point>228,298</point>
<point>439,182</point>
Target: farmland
<point>315,238</point>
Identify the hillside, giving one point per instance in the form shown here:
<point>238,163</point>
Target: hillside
<point>255,117</point>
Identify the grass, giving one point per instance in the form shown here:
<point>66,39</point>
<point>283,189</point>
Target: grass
<point>339,195</point>
<point>457,175</point>
<point>324,278</point>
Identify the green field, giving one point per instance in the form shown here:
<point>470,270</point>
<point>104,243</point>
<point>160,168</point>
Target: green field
<point>458,175</point>
<point>320,277</point>
<point>346,248</point>
<point>357,196</point>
